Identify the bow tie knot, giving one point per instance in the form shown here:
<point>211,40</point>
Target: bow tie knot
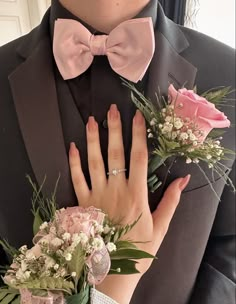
<point>98,44</point>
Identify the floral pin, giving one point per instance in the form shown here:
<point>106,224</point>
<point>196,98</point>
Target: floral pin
<point>182,125</point>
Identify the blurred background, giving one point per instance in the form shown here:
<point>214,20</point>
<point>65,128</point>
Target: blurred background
<point>215,18</point>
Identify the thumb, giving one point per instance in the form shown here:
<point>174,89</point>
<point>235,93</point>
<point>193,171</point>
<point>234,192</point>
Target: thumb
<point>163,214</point>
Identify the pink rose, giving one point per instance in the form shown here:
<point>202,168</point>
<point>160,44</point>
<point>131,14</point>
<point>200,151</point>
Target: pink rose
<point>78,219</point>
<point>202,112</point>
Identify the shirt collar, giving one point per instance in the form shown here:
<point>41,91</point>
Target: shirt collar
<point>59,11</point>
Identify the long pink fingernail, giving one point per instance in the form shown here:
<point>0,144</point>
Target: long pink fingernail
<point>113,113</point>
<point>92,125</point>
<point>73,149</point>
<point>138,118</point>
<point>184,182</point>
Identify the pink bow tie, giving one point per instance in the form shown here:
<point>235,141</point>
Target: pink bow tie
<point>129,47</point>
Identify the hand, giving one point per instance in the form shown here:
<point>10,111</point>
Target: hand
<point>121,198</point>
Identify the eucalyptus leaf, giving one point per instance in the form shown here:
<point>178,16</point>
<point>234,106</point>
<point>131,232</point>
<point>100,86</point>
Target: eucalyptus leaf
<point>124,266</point>
<point>130,254</point>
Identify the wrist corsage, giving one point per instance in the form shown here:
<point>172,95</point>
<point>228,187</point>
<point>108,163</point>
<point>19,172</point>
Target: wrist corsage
<point>74,249</point>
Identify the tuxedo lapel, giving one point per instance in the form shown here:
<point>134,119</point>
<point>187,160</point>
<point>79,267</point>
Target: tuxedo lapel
<point>167,65</point>
<point>34,92</point>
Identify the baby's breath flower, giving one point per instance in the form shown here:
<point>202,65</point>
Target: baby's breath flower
<point>107,229</point>
<point>209,156</point>
<point>23,248</point>
<point>149,130</point>
<point>49,262</point>
<point>195,143</point>
<point>150,135</point>
<point>66,236</point>
<point>183,136</point>
<point>22,275</point>
<point>210,165</point>
<point>56,266</point>
<point>30,256</point>
<point>57,242</point>
<point>73,274</point>
<point>43,226</point>
<point>99,229</point>
<point>188,160</point>
<point>178,123</point>
<point>160,126</point>
<point>153,122</point>
<point>68,256</point>
<point>196,160</point>
<point>190,150</point>
<point>167,128</point>
<point>192,137</point>
<point>83,238</point>
<point>111,247</point>
<point>97,243</point>
<point>174,135</point>
<point>168,118</point>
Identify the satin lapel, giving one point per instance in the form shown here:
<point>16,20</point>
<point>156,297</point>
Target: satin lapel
<point>35,97</point>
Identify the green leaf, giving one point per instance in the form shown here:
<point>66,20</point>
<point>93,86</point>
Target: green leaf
<point>8,248</point>
<point>50,283</point>
<point>80,298</point>
<point>3,294</point>
<point>216,133</point>
<point>130,254</point>
<point>77,262</point>
<point>125,245</point>
<point>16,301</point>
<point>217,95</point>
<point>37,222</point>
<point>125,266</point>
<point>8,299</point>
<point>155,161</point>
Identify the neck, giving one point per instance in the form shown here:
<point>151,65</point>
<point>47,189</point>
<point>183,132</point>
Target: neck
<point>104,15</point>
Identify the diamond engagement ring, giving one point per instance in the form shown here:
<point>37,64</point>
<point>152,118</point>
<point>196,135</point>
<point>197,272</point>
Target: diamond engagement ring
<point>116,171</point>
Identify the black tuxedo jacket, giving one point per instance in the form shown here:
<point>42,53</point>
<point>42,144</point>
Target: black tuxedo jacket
<point>196,260</point>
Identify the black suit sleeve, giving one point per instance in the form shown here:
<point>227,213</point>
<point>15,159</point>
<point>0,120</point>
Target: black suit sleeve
<point>216,278</point>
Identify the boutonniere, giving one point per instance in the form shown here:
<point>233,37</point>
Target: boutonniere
<point>183,125</point>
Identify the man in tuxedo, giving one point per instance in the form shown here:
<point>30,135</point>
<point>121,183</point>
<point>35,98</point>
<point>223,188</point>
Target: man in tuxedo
<point>41,113</point>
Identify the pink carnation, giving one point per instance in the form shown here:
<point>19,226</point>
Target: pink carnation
<point>78,219</point>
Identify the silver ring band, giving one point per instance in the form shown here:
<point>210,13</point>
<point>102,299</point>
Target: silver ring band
<point>115,172</point>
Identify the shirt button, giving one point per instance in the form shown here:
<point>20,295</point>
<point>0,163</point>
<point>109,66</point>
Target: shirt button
<point>104,124</point>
